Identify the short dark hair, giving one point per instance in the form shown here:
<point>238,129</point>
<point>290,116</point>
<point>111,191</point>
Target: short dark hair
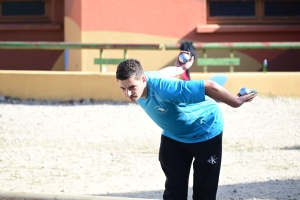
<point>129,68</point>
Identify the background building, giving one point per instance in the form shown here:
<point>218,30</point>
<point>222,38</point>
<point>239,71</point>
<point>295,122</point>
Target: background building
<point>148,21</point>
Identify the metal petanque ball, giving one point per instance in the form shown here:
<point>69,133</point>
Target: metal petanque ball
<point>184,57</point>
<point>244,91</point>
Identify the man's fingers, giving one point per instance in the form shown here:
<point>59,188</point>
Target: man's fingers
<point>187,52</point>
<point>250,97</point>
<point>192,58</point>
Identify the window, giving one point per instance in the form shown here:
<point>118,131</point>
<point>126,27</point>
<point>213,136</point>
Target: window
<point>26,11</point>
<point>253,11</point>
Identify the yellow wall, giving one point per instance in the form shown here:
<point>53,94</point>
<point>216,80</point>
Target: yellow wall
<point>150,59</point>
<point>267,84</point>
<point>83,60</point>
<point>62,86</point>
<point>59,86</point>
<point>73,35</point>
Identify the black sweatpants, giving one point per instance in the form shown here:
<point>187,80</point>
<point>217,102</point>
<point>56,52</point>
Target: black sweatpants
<point>176,159</point>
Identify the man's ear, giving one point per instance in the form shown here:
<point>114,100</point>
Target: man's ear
<point>144,78</point>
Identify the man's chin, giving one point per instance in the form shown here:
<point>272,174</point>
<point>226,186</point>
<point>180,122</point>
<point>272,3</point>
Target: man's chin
<point>133,99</point>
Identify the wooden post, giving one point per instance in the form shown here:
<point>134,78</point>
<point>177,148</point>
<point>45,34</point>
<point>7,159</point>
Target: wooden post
<point>204,56</point>
<point>102,66</point>
<point>125,54</point>
<point>231,56</point>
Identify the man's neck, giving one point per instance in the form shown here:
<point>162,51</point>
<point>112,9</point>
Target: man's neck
<point>145,92</point>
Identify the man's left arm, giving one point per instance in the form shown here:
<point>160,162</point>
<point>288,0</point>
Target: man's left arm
<point>216,91</point>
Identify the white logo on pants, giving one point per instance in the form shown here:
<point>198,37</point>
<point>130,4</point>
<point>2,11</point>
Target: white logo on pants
<point>212,160</point>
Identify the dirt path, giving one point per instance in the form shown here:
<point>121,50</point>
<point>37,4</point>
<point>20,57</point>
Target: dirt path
<point>99,149</point>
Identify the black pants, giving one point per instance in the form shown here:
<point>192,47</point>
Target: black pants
<point>176,159</point>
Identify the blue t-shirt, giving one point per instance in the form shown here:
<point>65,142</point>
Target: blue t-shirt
<point>181,108</point>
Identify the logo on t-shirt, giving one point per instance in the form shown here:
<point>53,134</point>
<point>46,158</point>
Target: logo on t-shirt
<point>160,110</point>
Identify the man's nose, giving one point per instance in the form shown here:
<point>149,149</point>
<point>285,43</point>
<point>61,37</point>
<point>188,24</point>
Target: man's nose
<point>129,93</point>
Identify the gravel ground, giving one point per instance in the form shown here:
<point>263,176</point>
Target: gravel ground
<point>111,149</point>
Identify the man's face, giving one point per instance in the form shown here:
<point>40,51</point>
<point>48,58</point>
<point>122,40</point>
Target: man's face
<point>132,88</point>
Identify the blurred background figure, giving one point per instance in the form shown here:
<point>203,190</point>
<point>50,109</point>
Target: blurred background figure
<point>187,46</point>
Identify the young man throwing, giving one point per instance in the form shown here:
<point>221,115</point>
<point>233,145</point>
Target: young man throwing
<point>191,120</point>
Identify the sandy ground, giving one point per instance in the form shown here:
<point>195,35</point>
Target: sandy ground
<point>111,149</point>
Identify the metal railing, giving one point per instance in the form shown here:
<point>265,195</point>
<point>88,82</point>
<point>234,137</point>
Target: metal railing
<point>65,45</point>
<point>232,61</point>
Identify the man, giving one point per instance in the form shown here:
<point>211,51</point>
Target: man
<point>191,120</point>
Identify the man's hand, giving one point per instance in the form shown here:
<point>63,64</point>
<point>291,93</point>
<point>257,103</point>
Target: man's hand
<point>247,97</point>
<point>179,68</point>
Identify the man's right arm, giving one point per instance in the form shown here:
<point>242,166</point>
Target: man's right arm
<point>179,68</point>
<point>219,93</point>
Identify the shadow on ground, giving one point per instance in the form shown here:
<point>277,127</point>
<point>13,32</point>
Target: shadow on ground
<point>296,147</point>
<point>289,190</point>
<point>79,102</point>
